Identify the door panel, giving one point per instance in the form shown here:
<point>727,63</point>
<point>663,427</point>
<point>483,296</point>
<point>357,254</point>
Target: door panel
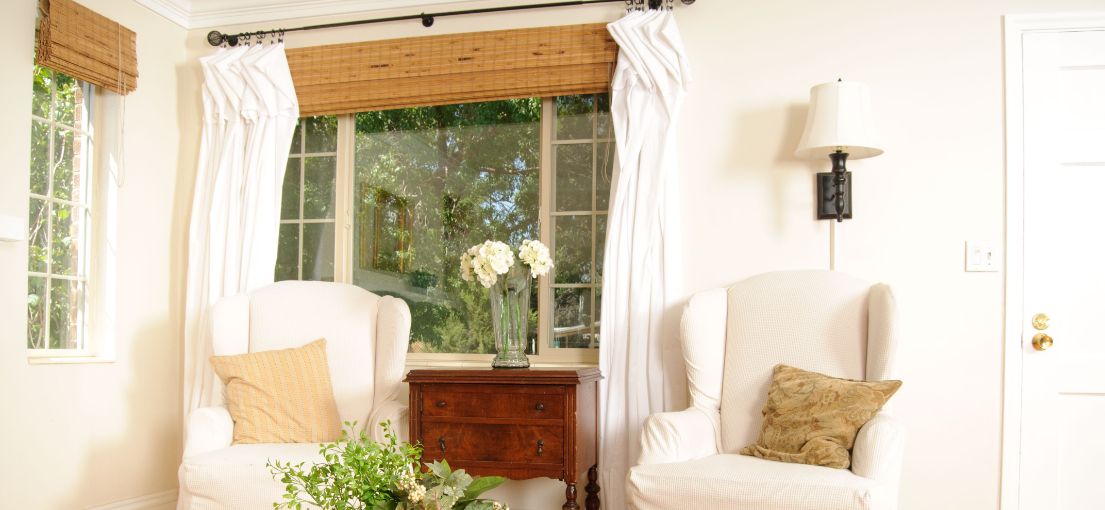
<point>1063,387</point>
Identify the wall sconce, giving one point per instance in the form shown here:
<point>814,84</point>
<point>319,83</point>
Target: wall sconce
<point>839,125</point>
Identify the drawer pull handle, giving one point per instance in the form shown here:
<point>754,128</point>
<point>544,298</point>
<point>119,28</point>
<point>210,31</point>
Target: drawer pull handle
<point>540,446</point>
<point>441,443</point>
<point>440,403</point>
<point>540,406</point>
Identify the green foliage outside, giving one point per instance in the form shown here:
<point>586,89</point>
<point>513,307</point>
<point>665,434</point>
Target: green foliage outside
<point>359,473</point>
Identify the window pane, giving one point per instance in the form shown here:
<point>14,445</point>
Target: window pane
<point>573,177</point>
<point>574,117</point>
<point>600,245</point>
<point>598,317</point>
<point>604,167</point>
<point>573,249</point>
<point>66,313</point>
<point>572,318</point>
<point>289,196</point>
<point>321,134</point>
<point>318,251</point>
<point>66,162</point>
<point>429,183</point>
<point>68,99</point>
<point>297,139</point>
<point>40,101</point>
<point>40,157</point>
<point>36,312</point>
<point>287,253</point>
<point>36,236</point>
<point>602,123</point>
<point>68,241</point>
<point>318,187</point>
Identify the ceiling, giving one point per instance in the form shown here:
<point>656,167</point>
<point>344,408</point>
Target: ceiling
<point>214,13</point>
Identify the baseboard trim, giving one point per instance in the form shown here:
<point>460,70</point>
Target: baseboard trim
<point>141,502</point>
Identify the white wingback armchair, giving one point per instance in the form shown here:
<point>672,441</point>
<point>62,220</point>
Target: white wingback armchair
<point>366,348</point>
<point>822,321</point>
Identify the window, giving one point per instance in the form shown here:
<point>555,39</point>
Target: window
<point>307,209</point>
<point>406,191</point>
<point>60,216</point>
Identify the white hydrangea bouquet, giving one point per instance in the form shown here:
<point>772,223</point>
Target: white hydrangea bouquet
<point>492,264</point>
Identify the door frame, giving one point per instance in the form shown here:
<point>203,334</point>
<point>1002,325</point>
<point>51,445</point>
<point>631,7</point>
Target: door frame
<point>1015,27</point>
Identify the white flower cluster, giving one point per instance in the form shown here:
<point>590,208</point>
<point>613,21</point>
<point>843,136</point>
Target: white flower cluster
<point>485,262</point>
<point>409,484</point>
<point>535,255</point>
<point>495,505</point>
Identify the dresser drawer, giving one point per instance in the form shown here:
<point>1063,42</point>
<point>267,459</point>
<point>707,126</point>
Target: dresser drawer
<point>492,401</point>
<point>493,443</point>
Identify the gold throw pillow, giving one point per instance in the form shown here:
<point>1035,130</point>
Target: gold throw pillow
<point>281,396</point>
<point>811,418</point>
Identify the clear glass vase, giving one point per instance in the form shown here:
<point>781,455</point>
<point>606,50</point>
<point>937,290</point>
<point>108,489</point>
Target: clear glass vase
<point>510,317</point>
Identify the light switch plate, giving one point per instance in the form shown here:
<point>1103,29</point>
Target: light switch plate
<point>981,257</point>
<point>11,228</point>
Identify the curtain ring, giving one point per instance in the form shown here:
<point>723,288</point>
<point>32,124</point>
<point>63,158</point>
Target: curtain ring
<point>280,39</point>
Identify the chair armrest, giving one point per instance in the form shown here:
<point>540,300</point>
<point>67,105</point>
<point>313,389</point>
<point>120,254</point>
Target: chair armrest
<point>678,436</point>
<point>879,449</point>
<point>209,429</point>
<point>389,410</point>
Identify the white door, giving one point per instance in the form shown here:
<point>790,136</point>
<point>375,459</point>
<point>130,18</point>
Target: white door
<point>1063,386</point>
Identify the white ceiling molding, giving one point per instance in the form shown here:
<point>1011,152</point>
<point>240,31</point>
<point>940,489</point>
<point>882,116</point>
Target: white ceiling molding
<point>172,10</point>
<point>192,14</point>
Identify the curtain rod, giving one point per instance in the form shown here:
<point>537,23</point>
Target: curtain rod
<point>215,38</point>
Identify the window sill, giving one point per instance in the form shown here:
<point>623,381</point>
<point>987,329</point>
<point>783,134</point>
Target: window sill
<point>34,358</point>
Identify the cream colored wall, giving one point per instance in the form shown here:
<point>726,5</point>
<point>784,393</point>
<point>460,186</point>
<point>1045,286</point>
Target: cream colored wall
<point>936,74</point>
<point>75,436</point>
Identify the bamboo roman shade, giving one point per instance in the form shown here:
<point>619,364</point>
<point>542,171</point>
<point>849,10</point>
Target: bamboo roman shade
<point>449,69</point>
<point>75,40</point>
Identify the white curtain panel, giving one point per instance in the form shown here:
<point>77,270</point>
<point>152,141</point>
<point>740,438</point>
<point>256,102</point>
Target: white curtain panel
<point>641,364</point>
<point>249,115</point>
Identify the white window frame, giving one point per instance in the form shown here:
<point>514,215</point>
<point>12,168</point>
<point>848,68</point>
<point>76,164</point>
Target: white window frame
<point>99,300</point>
<point>343,257</point>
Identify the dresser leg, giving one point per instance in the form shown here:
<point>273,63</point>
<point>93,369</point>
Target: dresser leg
<point>593,488</point>
<point>570,494</point>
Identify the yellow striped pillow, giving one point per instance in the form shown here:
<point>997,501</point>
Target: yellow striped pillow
<point>281,396</point>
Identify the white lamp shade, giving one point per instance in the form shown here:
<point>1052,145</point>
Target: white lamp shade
<point>839,118</point>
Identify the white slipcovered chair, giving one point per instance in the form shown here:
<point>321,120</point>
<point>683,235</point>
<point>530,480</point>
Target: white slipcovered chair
<point>366,348</point>
<point>823,321</point>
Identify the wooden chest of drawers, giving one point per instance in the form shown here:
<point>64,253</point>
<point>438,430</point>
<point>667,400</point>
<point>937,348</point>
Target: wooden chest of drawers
<point>519,424</point>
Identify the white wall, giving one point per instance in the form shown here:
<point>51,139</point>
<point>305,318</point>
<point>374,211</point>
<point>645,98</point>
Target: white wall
<point>75,436</point>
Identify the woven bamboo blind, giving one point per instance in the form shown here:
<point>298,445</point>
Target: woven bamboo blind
<point>449,69</point>
<point>77,41</point>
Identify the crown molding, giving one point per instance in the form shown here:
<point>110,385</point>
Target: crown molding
<point>176,11</point>
<point>192,14</point>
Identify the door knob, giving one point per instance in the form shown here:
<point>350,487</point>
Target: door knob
<point>1042,342</point>
<point>1039,321</point>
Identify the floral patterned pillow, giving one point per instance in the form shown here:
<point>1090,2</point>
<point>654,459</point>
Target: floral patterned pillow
<point>811,418</point>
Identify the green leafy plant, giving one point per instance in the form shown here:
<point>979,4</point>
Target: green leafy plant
<point>357,473</point>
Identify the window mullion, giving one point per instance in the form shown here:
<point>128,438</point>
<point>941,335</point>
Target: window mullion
<point>345,176</point>
<point>545,223</point>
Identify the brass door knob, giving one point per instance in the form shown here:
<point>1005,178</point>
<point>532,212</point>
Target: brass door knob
<point>1039,321</point>
<point>1042,342</point>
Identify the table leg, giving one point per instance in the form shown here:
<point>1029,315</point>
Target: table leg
<point>593,488</point>
<point>570,494</point>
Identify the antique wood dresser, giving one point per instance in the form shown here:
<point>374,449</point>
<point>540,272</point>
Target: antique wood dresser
<point>517,423</point>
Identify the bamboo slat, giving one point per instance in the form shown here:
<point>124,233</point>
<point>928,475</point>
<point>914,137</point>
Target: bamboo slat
<point>77,41</point>
<point>448,69</point>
